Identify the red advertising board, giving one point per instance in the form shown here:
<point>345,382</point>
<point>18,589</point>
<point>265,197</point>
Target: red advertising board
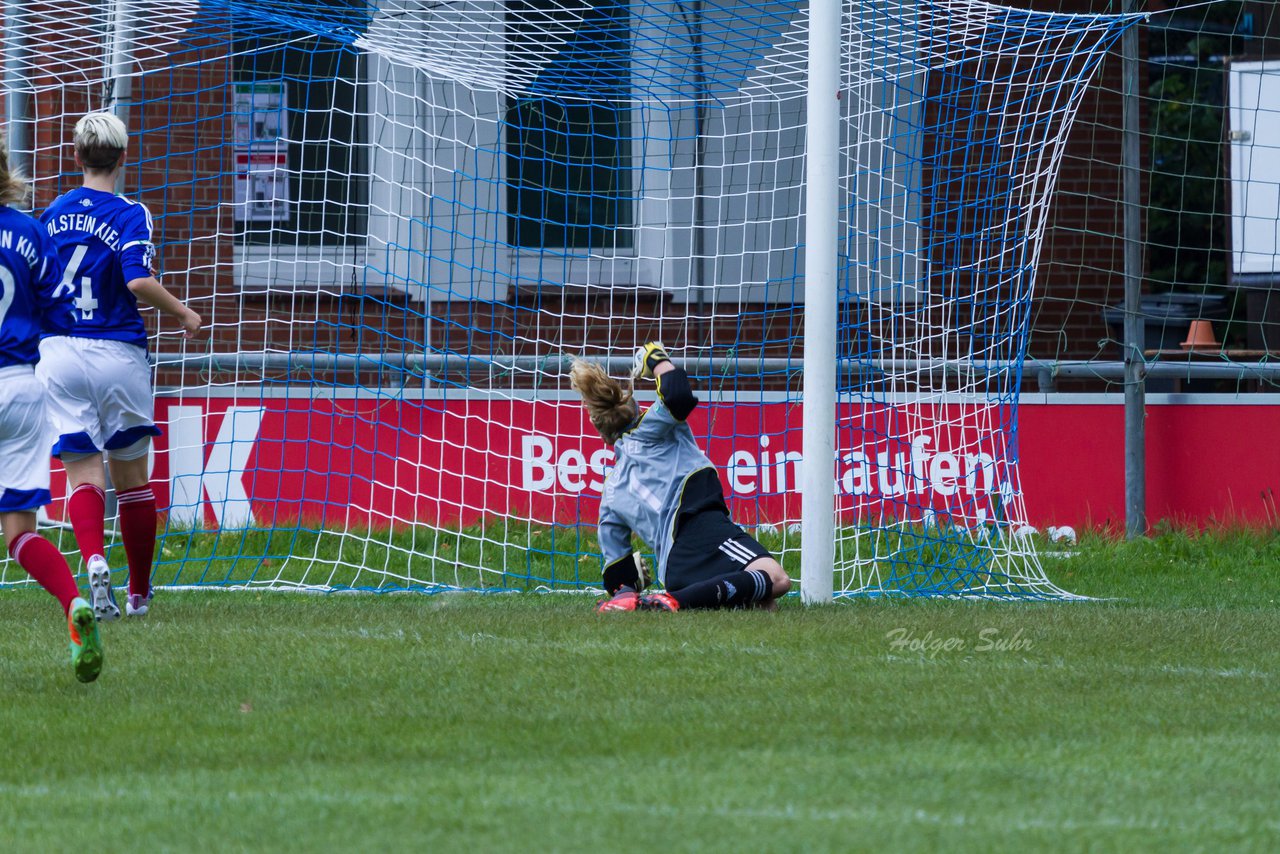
<point>1206,463</point>
<point>365,461</point>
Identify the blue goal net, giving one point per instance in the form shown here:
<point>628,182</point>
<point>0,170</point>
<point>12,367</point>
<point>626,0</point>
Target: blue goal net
<point>401,221</point>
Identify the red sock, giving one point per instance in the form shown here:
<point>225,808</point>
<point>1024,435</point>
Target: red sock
<point>138,529</point>
<point>46,565</point>
<point>87,509</point>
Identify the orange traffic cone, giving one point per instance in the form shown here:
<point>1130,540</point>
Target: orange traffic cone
<point>1200,336</point>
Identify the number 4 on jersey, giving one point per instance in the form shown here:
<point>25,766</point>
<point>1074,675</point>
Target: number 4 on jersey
<point>85,303</point>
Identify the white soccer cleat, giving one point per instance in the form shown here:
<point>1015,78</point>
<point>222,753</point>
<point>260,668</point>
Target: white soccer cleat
<point>1065,534</point>
<point>137,606</point>
<point>100,592</point>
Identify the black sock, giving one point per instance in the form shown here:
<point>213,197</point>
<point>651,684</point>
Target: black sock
<point>728,591</point>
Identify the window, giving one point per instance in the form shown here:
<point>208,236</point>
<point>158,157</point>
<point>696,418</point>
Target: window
<point>300,153</point>
<point>569,169</point>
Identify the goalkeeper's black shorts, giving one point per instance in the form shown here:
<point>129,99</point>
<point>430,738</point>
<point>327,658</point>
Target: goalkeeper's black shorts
<point>708,544</point>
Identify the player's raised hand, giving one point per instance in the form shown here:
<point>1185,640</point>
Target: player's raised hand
<point>648,357</point>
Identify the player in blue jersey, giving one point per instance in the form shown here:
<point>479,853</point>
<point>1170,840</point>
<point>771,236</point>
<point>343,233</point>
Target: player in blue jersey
<point>94,359</point>
<point>29,271</point>
<point>663,488</point>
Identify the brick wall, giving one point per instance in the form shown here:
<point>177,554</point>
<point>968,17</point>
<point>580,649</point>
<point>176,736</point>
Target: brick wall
<point>184,168</point>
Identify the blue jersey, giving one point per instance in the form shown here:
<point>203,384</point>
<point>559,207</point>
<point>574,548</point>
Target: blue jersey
<point>29,273</point>
<point>104,242</point>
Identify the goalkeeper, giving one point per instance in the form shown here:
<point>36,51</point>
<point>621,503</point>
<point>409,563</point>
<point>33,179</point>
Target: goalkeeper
<point>664,488</point>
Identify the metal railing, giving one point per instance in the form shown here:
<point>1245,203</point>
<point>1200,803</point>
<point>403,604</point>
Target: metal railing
<point>437,366</point>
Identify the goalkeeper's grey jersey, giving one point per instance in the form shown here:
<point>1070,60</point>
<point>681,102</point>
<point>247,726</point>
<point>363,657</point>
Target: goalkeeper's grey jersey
<point>642,493</point>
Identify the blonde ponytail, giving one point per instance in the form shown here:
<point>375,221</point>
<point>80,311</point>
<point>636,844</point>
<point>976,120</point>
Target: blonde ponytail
<point>611,405</point>
<point>14,188</point>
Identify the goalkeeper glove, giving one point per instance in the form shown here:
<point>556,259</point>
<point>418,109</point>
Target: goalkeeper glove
<point>627,571</point>
<point>647,358</point>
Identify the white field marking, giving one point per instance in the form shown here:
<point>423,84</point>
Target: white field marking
<point>1229,673</point>
<point>275,586</point>
<point>484,638</point>
<point>866,813</point>
<point>264,796</point>
<point>380,634</point>
<point>1001,660</point>
<point>478,638</point>
<point>353,633</point>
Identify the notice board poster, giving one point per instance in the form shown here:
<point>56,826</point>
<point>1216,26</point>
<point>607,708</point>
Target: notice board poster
<point>262,186</point>
<point>261,159</point>
<point>259,113</point>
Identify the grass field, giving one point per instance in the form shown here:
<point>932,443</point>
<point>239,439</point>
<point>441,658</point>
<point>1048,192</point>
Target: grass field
<point>270,721</point>
<point>508,555</point>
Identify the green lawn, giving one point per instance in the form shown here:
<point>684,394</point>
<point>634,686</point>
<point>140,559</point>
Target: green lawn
<point>271,721</point>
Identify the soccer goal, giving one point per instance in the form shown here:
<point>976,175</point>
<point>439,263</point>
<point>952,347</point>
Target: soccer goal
<point>402,219</point>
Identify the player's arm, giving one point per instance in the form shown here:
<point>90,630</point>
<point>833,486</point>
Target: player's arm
<point>148,290</point>
<point>622,566</point>
<point>676,400</point>
<point>136,259</point>
<point>674,390</point>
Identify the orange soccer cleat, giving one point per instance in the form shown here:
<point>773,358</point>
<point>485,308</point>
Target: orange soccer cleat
<point>625,601</point>
<point>658,602</point>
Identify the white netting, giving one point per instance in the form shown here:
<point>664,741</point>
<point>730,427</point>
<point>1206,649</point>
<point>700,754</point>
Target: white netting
<point>401,219</point>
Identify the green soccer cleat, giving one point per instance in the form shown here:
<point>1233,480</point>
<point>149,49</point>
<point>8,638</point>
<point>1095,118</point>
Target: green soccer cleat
<point>86,645</point>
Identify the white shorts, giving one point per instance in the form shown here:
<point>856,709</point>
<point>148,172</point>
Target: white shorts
<point>24,441</point>
<point>100,396</point>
